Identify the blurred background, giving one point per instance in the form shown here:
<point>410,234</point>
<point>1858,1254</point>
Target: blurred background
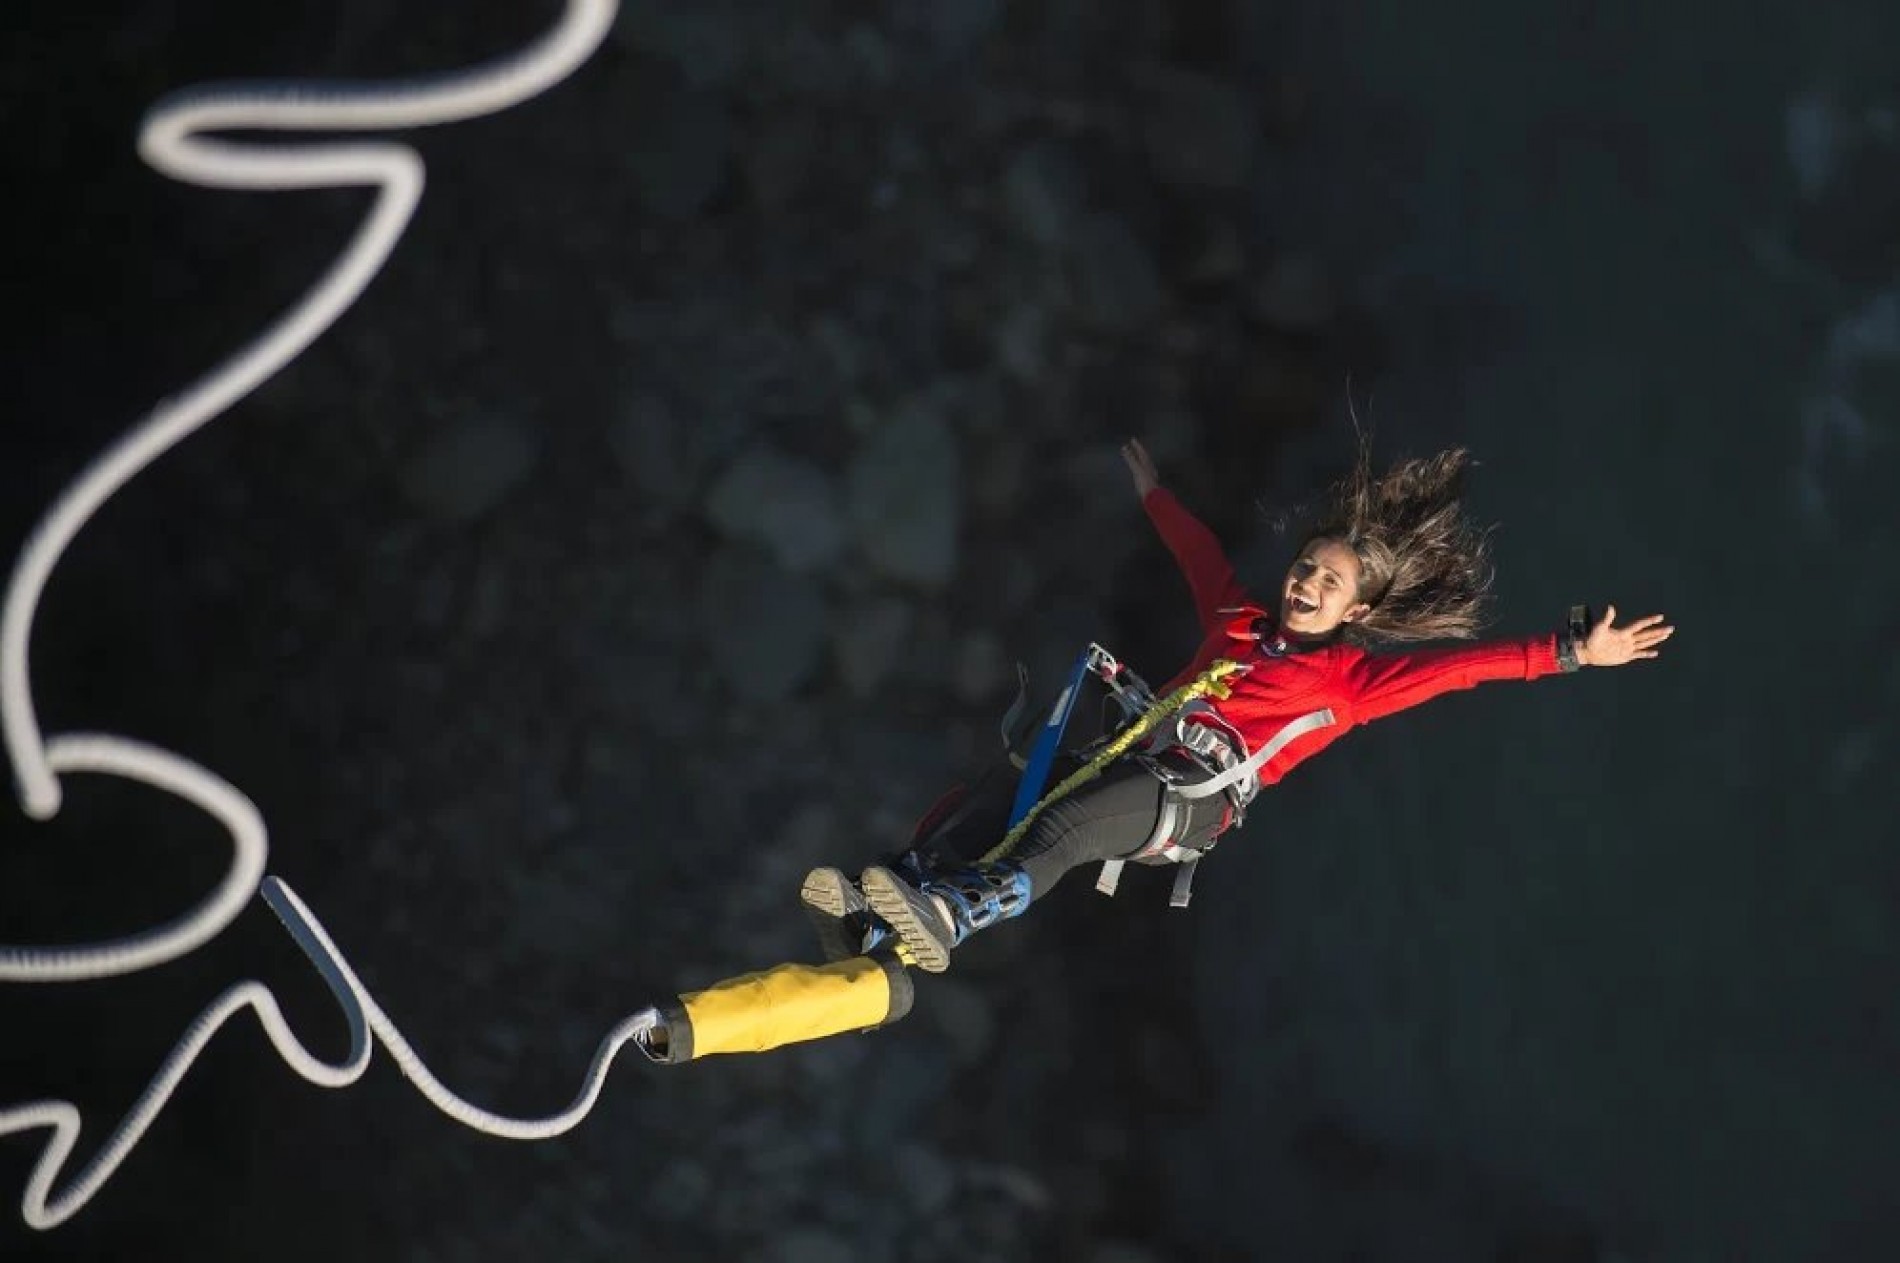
<point>666,519</point>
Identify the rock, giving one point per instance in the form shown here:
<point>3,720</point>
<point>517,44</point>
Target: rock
<point>860,416</point>
<point>893,1103</point>
<point>1012,582</point>
<point>843,348</point>
<point>1116,286</point>
<point>925,1176</point>
<point>645,439</point>
<point>999,479</point>
<point>1021,340</point>
<point>488,600</point>
<point>434,599</point>
<point>1869,335</point>
<point>808,836</point>
<point>1122,1252</point>
<point>1199,131</point>
<point>962,1012</point>
<point>1811,130</point>
<point>469,467</point>
<point>981,408</point>
<point>676,146</point>
<point>981,672</point>
<point>779,157</point>
<point>1220,255</point>
<point>1011,1182</point>
<point>1295,295</point>
<point>867,640</point>
<point>873,54</point>
<point>703,41</point>
<point>1044,192</point>
<point>1105,1143</point>
<point>1089,473</point>
<point>1549,1243</point>
<point>948,29</point>
<point>786,506</point>
<point>680,1191</point>
<point>830,1069</point>
<point>903,488</point>
<point>805,1245</point>
<point>763,629</point>
<point>922,666</point>
<point>957,242</point>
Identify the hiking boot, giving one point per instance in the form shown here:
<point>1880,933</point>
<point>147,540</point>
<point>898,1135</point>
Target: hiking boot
<point>842,920</point>
<point>933,912</point>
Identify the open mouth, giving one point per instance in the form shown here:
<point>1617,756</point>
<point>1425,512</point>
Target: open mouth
<point>1300,605</point>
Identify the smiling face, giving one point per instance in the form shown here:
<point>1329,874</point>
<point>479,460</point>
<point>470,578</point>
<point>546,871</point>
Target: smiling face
<point>1321,591</point>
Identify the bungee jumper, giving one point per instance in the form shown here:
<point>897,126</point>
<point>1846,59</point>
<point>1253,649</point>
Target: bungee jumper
<point>1396,560</point>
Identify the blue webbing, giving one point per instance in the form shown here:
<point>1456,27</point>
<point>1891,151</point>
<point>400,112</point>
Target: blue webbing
<point>1043,755</point>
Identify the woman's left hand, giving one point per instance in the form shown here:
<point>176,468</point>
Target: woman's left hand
<point>1611,646</point>
<point>1142,466</point>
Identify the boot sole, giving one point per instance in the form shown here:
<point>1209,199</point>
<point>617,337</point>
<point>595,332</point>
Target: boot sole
<point>827,890</point>
<point>827,894</point>
<point>890,898</point>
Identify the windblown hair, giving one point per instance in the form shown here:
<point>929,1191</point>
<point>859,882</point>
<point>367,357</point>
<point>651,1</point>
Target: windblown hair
<point>1425,566</point>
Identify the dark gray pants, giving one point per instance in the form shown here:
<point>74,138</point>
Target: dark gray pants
<point>1109,818</point>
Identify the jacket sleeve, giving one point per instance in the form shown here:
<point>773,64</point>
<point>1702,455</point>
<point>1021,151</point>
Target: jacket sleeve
<point>1210,576</point>
<point>1385,684</point>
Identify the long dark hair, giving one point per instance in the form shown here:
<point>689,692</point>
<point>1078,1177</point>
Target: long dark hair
<point>1425,566</point>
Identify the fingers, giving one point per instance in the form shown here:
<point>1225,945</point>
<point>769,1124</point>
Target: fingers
<point>1141,465</point>
<point>1637,624</point>
<point>1647,643</point>
<point>1648,632</point>
<point>1648,626</point>
<point>1611,645</point>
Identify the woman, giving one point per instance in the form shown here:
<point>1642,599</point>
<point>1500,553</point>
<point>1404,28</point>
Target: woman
<point>1396,561</point>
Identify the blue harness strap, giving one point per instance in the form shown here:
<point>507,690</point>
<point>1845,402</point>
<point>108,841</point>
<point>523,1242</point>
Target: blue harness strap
<point>1043,755</point>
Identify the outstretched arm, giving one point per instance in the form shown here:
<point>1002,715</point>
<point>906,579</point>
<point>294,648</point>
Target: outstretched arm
<point>1386,684</point>
<point>1210,576</point>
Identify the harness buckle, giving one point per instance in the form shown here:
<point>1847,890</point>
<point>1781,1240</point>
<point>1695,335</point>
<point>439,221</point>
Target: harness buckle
<point>1129,690</point>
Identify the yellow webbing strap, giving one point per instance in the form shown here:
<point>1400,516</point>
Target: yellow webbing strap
<point>791,1003</point>
<point>1210,681</point>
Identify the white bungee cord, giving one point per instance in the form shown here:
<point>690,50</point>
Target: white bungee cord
<point>178,139</point>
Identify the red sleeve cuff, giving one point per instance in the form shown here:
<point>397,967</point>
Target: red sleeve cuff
<point>1540,656</point>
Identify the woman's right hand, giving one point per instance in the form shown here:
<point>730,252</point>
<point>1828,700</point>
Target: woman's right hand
<point>1142,466</point>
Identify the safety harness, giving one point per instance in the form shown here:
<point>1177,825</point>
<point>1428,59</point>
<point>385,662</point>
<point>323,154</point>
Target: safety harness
<point>1233,777</point>
<point>1219,750</point>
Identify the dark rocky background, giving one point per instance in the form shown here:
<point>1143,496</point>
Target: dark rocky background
<point>667,515</point>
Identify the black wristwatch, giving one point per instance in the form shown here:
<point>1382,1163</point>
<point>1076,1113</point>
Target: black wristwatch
<point>1570,640</point>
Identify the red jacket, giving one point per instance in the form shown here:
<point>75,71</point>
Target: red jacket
<point>1358,687</point>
